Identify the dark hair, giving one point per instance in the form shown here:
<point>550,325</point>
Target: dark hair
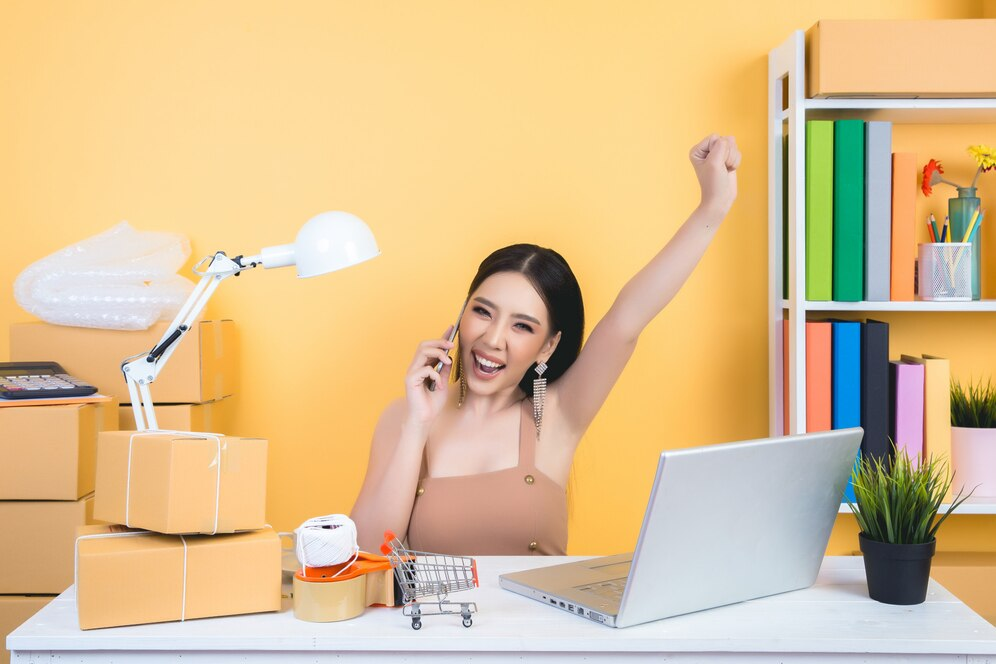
<point>557,286</point>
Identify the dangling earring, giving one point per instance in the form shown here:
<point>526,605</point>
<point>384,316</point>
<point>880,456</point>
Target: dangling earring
<point>463,387</point>
<point>539,397</point>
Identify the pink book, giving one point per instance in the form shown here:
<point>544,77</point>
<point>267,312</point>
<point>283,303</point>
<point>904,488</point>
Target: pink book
<point>906,400</point>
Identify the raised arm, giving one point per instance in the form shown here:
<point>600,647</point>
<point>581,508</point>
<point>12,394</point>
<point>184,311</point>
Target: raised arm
<point>585,386</point>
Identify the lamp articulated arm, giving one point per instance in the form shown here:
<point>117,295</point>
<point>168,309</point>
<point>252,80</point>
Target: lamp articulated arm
<point>142,369</point>
<point>327,242</point>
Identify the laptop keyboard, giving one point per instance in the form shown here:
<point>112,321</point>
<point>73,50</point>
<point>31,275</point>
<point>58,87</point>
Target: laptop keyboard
<point>611,589</point>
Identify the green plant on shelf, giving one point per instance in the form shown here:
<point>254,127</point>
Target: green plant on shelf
<point>899,502</point>
<point>973,406</point>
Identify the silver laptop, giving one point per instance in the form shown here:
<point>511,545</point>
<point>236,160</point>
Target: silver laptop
<point>724,524</point>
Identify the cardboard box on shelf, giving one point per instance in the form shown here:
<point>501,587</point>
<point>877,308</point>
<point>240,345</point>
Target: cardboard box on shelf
<point>900,58</point>
<point>176,483</point>
<point>136,577</point>
<point>203,367</point>
<point>36,549</point>
<point>211,416</point>
<point>50,452</point>
<point>14,610</point>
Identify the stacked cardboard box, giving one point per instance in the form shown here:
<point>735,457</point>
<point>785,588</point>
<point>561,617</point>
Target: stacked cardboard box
<point>172,485</point>
<point>14,610</point>
<point>191,393</point>
<point>47,476</point>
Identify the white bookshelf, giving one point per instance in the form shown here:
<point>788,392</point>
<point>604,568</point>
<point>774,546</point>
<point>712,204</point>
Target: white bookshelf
<point>981,505</point>
<point>788,110</point>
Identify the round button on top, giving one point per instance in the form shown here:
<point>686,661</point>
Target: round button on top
<point>420,491</point>
<point>529,479</point>
<point>533,546</point>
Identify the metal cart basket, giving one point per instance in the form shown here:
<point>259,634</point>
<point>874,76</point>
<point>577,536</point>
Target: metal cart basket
<point>423,574</point>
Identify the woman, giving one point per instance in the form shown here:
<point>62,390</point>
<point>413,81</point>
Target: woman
<point>480,467</point>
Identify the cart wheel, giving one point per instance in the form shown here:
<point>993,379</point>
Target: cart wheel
<point>467,622</point>
<point>416,623</point>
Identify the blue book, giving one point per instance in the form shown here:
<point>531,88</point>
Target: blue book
<point>845,379</point>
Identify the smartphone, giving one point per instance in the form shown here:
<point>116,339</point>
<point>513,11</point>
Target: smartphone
<point>429,383</point>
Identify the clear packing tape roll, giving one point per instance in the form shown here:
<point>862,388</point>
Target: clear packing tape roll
<point>121,279</point>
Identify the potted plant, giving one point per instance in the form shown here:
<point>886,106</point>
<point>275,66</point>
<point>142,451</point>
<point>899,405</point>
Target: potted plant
<point>973,436</point>
<point>897,506</point>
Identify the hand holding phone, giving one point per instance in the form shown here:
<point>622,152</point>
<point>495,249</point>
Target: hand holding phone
<point>429,383</point>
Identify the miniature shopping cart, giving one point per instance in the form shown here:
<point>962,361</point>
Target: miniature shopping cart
<point>422,574</point>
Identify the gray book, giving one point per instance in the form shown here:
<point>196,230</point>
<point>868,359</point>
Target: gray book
<point>878,210</point>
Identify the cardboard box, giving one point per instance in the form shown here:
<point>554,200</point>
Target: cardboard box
<point>202,368</point>
<point>971,577</point>
<point>50,452</point>
<point>907,58</point>
<point>213,416</point>
<point>181,484</point>
<point>36,549</point>
<point>14,610</point>
<point>137,577</point>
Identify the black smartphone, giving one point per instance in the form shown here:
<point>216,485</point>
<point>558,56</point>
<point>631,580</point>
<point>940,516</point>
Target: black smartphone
<point>429,383</point>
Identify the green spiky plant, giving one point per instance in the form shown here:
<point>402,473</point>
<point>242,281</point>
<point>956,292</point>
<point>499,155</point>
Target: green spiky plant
<point>898,502</point>
<point>973,406</point>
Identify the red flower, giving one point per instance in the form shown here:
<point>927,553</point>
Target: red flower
<point>933,167</point>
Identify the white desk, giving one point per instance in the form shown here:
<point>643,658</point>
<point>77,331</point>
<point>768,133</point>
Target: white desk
<point>830,622</point>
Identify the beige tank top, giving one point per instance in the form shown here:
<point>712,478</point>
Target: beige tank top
<point>509,512</point>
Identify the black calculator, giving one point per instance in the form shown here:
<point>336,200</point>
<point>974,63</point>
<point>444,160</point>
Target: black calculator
<point>40,380</point>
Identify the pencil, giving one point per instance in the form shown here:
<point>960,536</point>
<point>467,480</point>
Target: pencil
<point>930,232</point>
<point>971,226</point>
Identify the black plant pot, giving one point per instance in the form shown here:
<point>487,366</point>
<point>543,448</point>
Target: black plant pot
<point>897,573</point>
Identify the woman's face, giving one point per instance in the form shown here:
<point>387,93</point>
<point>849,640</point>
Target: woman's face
<point>505,329</point>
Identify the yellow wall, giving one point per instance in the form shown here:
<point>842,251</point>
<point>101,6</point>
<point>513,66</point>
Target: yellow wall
<point>452,128</point>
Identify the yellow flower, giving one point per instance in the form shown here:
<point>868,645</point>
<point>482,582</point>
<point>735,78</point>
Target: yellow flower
<point>984,156</point>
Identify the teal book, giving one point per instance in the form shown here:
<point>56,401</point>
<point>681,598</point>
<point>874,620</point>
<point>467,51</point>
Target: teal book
<point>848,210</point>
<point>819,209</point>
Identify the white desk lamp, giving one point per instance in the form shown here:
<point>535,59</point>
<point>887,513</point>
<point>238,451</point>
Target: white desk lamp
<point>327,242</point>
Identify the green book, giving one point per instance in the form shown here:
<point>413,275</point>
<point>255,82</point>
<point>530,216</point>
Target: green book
<point>848,210</point>
<point>819,209</point>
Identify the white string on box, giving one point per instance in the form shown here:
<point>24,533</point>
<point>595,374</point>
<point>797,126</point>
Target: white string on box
<point>325,541</point>
<point>190,434</point>
<point>137,533</point>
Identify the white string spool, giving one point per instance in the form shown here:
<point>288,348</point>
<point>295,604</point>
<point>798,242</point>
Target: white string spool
<point>327,540</point>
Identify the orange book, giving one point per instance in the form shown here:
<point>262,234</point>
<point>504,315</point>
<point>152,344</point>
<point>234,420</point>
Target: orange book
<point>818,376</point>
<point>904,187</point>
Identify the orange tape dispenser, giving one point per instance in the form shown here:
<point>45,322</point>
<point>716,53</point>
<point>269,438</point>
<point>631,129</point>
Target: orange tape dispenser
<point>329,594</point>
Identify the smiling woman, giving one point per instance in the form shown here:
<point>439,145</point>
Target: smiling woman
<point>479,467</point>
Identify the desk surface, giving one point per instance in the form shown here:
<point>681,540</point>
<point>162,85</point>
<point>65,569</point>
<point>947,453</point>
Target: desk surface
<point>832,621</point>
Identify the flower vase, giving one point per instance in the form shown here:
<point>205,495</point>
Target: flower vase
<point>960,213</point>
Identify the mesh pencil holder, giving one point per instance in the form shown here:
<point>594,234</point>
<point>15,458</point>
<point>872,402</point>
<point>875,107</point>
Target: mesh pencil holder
<point>945,271</point>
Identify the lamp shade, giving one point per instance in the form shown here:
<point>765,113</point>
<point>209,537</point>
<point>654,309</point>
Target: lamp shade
<point>328,242</point>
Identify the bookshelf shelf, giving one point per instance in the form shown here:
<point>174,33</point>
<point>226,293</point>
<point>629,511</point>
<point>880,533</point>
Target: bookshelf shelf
<point>981,505</point>
<point>919,306</point>
<point>788,111</point>
<point>905,111</point>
